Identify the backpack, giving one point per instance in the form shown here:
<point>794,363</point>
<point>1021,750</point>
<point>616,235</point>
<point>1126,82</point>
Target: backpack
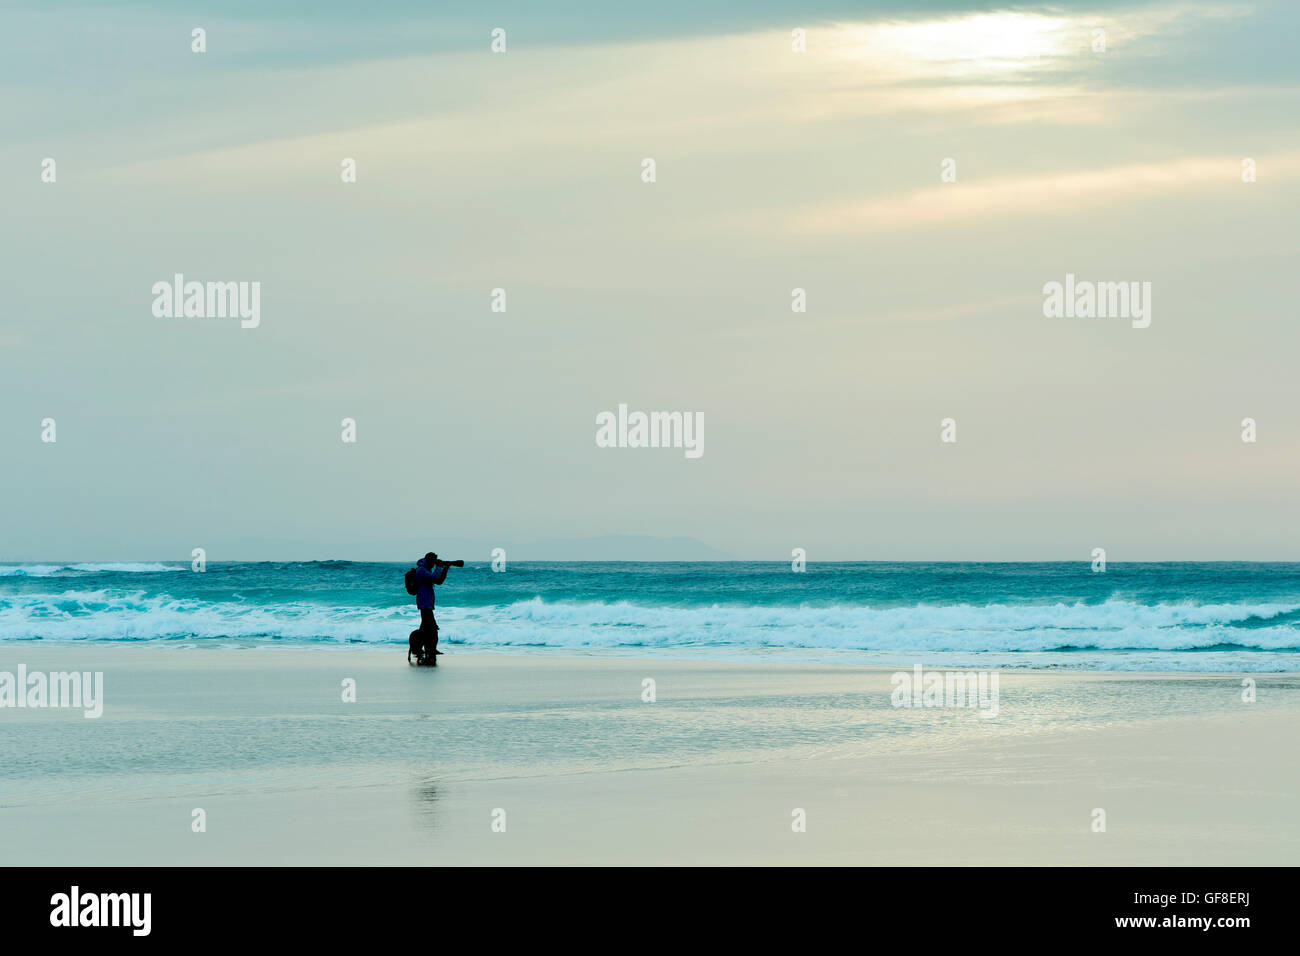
<point>411,586</point>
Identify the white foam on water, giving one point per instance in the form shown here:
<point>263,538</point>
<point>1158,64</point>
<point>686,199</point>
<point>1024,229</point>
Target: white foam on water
<point>1115,625</point>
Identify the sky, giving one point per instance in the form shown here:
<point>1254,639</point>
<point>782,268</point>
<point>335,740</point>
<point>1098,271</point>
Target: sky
<point>775,169</point>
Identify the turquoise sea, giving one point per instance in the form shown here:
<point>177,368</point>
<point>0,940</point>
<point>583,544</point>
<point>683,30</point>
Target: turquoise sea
<point>1171,616</point>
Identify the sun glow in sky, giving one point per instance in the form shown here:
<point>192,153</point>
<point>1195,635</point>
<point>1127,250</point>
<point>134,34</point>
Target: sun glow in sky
<point>978,44</point>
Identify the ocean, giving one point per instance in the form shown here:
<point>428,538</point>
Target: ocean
<point>1158,616</point>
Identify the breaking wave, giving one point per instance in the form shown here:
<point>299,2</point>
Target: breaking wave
<point>1113,625</point>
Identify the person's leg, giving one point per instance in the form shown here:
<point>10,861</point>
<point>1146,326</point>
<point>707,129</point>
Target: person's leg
<point>428,627</point>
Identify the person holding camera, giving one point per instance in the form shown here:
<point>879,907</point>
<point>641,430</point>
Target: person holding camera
<point>429,571</point>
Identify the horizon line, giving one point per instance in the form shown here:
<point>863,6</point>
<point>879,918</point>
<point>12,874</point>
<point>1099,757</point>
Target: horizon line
<point>807,561</point>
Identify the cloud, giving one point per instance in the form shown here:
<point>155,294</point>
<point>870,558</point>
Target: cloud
<point>1028,196</point>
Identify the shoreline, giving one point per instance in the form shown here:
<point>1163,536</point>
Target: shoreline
<point>740,655</point>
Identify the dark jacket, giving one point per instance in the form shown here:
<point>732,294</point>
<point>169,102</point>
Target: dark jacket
<point>426,579</point>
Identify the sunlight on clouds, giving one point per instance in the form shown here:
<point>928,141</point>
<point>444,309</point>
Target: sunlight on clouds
<point>1003,45</point>
<point>966,46</point>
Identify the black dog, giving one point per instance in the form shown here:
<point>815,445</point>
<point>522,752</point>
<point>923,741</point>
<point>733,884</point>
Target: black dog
<point>424,653</point>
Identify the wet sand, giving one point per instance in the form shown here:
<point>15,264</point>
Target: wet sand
<point>426,765</point>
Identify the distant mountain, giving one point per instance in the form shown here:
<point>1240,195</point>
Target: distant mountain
<point>619,547</point>
<point>609,547</point>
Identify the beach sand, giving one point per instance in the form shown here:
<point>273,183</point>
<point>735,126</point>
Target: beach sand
<point>586,771</point>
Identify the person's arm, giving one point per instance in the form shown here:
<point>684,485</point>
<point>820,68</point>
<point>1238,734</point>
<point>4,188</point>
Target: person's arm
<point>440,572</point>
